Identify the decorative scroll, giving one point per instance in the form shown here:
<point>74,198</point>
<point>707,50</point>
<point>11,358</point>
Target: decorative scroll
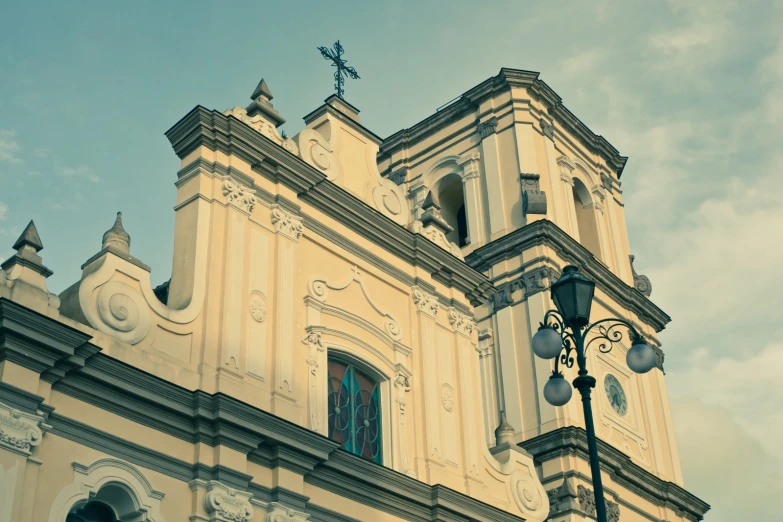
<point>319,289</point>
<point>123,312</point>
<point>425,302</point>
<point>226,504</point>
<point>239,195</point>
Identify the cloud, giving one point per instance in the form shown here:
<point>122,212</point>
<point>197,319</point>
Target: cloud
<point>581,62</point>
<point>723,465</point>
<point>3,211</point>
<point>746,387</point>
<point>9,147</point>
<point>82,171</point>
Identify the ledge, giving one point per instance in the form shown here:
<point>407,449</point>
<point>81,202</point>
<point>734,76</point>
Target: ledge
<point>573,441</point>
<point>507,78</point>
<point>216,131</point>
<point>544,232</point>
<point>216,419</point>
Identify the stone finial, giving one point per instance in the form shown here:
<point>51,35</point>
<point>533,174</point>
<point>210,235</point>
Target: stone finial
<point>504,433</point>
<point>262,90</point>
<point>29,238</point>
<point>261,105</point>
<point>116,237</point>
<point>27,247</point>
<point>432,216</point>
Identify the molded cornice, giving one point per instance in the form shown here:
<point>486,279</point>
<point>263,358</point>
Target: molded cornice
<point>38,342</point>
<point>544,232</point>
<point>216,419</point>
<point>573,441</point>
<point>216,131</point>
<point>506,79</point>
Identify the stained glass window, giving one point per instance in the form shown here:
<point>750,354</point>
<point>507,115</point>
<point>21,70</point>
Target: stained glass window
<point>354,411</point>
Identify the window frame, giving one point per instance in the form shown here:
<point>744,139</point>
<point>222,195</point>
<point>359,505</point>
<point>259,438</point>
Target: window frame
<point>384,383</point>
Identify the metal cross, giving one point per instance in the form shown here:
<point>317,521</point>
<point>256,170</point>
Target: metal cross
<point>336,56</point>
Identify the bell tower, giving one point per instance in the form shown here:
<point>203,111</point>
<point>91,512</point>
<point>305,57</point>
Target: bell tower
<point>543,192</point>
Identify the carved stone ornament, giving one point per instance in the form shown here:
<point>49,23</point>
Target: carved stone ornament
<point>401,381</point>
<point>562,499</point>
<point>488,127</point>
<point>239,195</point>
<point>20,431</point>
<point>533,198</point>
<point>641,282</point>
<point>287,224</point>
<point>436,236</point>
<point>527,492</point>
<point>123,312</point>
<point>425,302</point>
<point>531,282</point>
<point>226,504</point>
<point>280,513</point>
<point>547,129</point>
<point>461,323</point>
<point>258,306</point>
<point>318,287</point>
<point>447,397</point>
<point>587,504</point>
<point>260,124</point>
<point>398,176</point>
<point>606,182</point>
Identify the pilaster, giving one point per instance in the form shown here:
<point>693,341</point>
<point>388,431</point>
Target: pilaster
<point>471,187</point>
<point>288,231</point>
<point>492,176</point>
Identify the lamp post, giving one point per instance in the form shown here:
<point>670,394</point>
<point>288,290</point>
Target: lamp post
<point>561,336</point>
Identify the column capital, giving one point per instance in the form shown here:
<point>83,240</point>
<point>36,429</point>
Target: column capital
<point>488,127</point>
<point>425,303</point>
<point>20,432</point>
<point>286,224</point>
<point>225,504</point>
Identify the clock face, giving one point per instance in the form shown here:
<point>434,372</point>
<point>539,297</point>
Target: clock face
<point>615,394</point>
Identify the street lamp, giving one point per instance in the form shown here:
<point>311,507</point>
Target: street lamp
<point>562,333</point>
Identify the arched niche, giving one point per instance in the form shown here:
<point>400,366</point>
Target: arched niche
<point>106,487</point>
<point>585,218</point>
<point>451,197</point>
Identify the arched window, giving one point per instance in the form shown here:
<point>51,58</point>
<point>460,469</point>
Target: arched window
<point>585,218</point>
<point>92,512</point>
<point>355,410</point>
<point>452,207</point>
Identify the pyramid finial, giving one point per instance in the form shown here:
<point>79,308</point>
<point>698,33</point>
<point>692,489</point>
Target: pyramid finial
<point>29,238</point>
<point>116,237</point>
<point>504,434</point>
<point>27,247</point>
<point>262,90</point>
<point>262,106</point>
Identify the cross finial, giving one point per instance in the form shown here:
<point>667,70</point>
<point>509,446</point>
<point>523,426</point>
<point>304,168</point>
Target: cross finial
<point>336,56</point>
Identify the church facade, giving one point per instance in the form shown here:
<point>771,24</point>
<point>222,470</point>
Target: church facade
<point>346,332</point>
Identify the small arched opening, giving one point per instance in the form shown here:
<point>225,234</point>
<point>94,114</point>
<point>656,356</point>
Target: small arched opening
<point>112,503</point>
<point>452,207</point>
<point>585,218</point>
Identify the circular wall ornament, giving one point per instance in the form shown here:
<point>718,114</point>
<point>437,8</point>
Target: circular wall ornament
<point>616,395</point>
<point>258,306</point>
<point>447,396</point>
<point>526,492</point>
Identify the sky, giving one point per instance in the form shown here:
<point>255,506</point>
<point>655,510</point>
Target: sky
<point>692,92</point>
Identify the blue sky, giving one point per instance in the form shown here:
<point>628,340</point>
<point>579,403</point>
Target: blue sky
<point>691,91</point>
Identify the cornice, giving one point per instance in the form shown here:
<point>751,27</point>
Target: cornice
<point>573,441</point>
<point>544,232</point>
<point>36,341</point>
<point>507,78</point>
<point>217,419</point>
<point>226,134</point>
